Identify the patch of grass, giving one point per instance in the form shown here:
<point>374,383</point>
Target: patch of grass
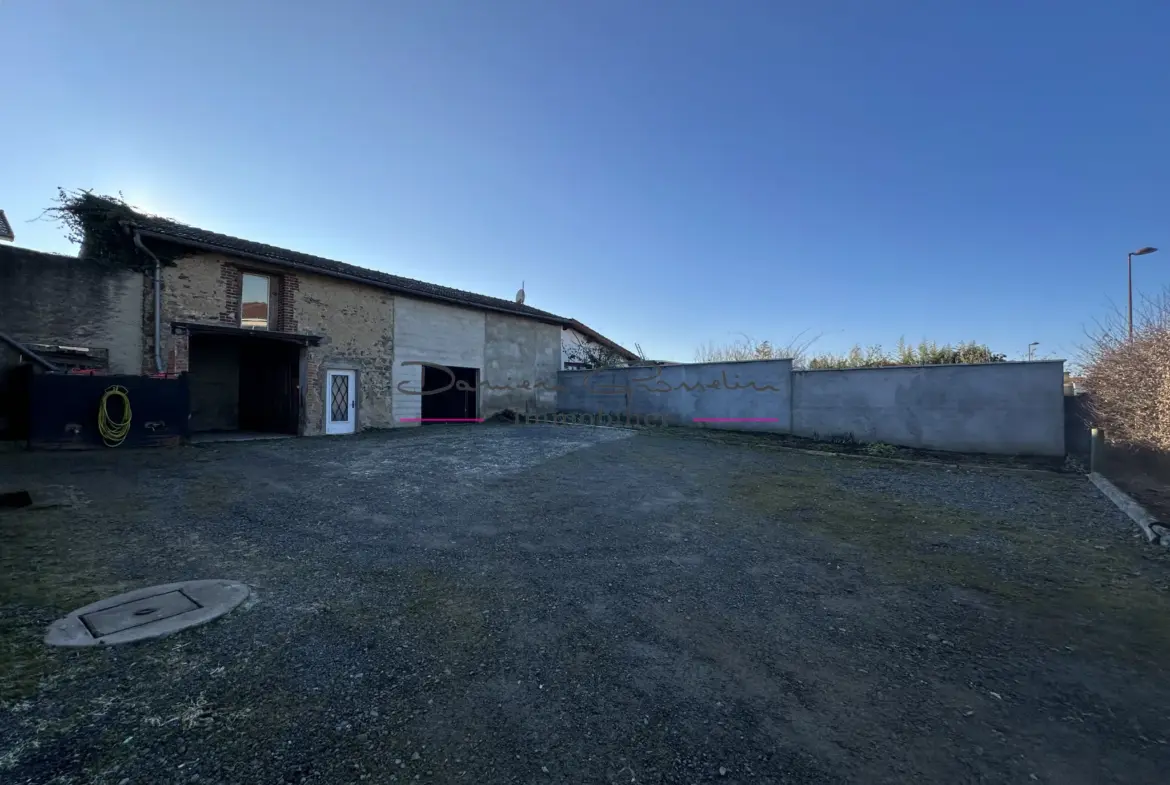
<point>47,569</point>
<point>845,444</point>
<point>420,599</point>
<point>1111,594</point>
<point>880,450</point>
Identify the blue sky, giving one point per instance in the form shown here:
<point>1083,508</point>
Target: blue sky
<point>669,173</point>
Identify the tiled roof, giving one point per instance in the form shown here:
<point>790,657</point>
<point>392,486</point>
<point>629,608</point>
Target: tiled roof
<point>181,234</point>
<point>254,311</point>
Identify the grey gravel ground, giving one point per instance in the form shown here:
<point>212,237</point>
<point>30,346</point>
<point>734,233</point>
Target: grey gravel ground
<point>541,604</point>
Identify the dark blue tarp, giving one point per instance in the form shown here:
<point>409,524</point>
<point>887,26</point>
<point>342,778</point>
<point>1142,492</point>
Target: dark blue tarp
<point>63,410</point>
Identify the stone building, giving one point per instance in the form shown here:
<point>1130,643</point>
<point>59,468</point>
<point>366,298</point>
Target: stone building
<point>277,341</point>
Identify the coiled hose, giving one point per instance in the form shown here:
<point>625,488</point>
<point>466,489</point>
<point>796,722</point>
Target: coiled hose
<point>114,433</point>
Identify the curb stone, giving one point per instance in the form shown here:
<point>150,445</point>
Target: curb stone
<point>1155,532</point>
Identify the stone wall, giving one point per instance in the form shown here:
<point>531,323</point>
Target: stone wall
<point>355,323</point>
<point>205,288</point>
<point>62,300</point>
<point>357,327</point>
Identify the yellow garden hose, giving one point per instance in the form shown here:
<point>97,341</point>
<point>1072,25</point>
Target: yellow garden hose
<point>114,433</point>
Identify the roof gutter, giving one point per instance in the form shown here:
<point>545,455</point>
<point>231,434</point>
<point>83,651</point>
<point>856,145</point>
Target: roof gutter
<point>331,274</point>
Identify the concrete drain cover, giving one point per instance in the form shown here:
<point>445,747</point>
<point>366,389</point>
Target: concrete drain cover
<point>146,613</point>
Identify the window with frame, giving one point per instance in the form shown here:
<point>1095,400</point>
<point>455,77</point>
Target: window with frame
<point>256,301</point>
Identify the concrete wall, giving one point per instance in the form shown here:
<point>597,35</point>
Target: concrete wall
<point>678,394</point>
<point>434,333</point>
<point>1005,408</point>
<point>62,300</point>
<point>521,361</point>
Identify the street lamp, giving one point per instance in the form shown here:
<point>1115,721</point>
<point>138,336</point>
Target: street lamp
<point>1033,343</point>
<point>1138,252</point>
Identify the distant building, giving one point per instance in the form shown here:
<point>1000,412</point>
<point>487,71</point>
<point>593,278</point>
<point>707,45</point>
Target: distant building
<point>576,336</point>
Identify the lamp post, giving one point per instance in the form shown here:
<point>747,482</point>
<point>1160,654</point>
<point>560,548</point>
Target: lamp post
<point>1032,344</point>
<point>1138,252</point>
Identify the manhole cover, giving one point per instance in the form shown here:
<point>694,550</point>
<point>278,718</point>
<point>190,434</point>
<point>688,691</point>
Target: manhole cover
<point>146,613</point>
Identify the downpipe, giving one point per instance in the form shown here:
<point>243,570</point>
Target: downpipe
<point>158,362</point>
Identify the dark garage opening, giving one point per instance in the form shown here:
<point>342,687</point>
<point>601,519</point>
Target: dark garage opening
<point>458,399</point>
<point>244,384</point>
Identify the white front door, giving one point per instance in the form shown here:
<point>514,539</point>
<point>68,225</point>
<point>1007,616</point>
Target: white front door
<point>340,401</point>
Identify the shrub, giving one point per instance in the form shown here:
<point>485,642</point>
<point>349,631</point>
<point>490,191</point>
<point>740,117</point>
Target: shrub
<point>1128,380</point>
<point>881,450</point>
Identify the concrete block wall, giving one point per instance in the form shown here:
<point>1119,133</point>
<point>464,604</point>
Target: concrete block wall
<point>63,300</point>
<point>680,394</point>
<point>1003,408</point>
<point>997,408</point>
<point>521,360</point>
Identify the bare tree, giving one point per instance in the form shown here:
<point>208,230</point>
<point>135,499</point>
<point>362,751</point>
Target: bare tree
<point>1128,380</point>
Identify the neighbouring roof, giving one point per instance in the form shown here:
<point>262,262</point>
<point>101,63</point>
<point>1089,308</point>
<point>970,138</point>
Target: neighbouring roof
<point>189,236</point>
<point>254,311</point>
<point>597,337</point>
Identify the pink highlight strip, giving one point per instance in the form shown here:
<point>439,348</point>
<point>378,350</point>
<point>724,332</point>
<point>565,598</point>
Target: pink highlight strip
<point>737,419</point>
<point>440,419</point>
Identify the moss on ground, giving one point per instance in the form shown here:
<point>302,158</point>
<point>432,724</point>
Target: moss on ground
<point>782,442</point>
<point>1109,595</point>
<point>48,567</point>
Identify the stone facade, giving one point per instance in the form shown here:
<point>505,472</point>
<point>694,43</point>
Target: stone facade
<point>357,327</point>
<point>48,298</point>
<point>360,328</point>
<point>355,324</point>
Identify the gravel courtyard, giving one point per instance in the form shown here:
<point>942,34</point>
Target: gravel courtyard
<point>505,603</point>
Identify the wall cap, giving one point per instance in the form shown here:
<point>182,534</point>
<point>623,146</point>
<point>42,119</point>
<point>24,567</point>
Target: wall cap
<point>931,365</point>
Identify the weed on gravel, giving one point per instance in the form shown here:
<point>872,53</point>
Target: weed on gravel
<point>1100,587</point>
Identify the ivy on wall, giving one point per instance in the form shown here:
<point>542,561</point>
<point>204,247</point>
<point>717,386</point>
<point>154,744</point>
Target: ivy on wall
<point>103,227</point>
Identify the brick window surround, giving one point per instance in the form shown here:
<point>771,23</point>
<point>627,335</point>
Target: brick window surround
<point>281,293</point>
